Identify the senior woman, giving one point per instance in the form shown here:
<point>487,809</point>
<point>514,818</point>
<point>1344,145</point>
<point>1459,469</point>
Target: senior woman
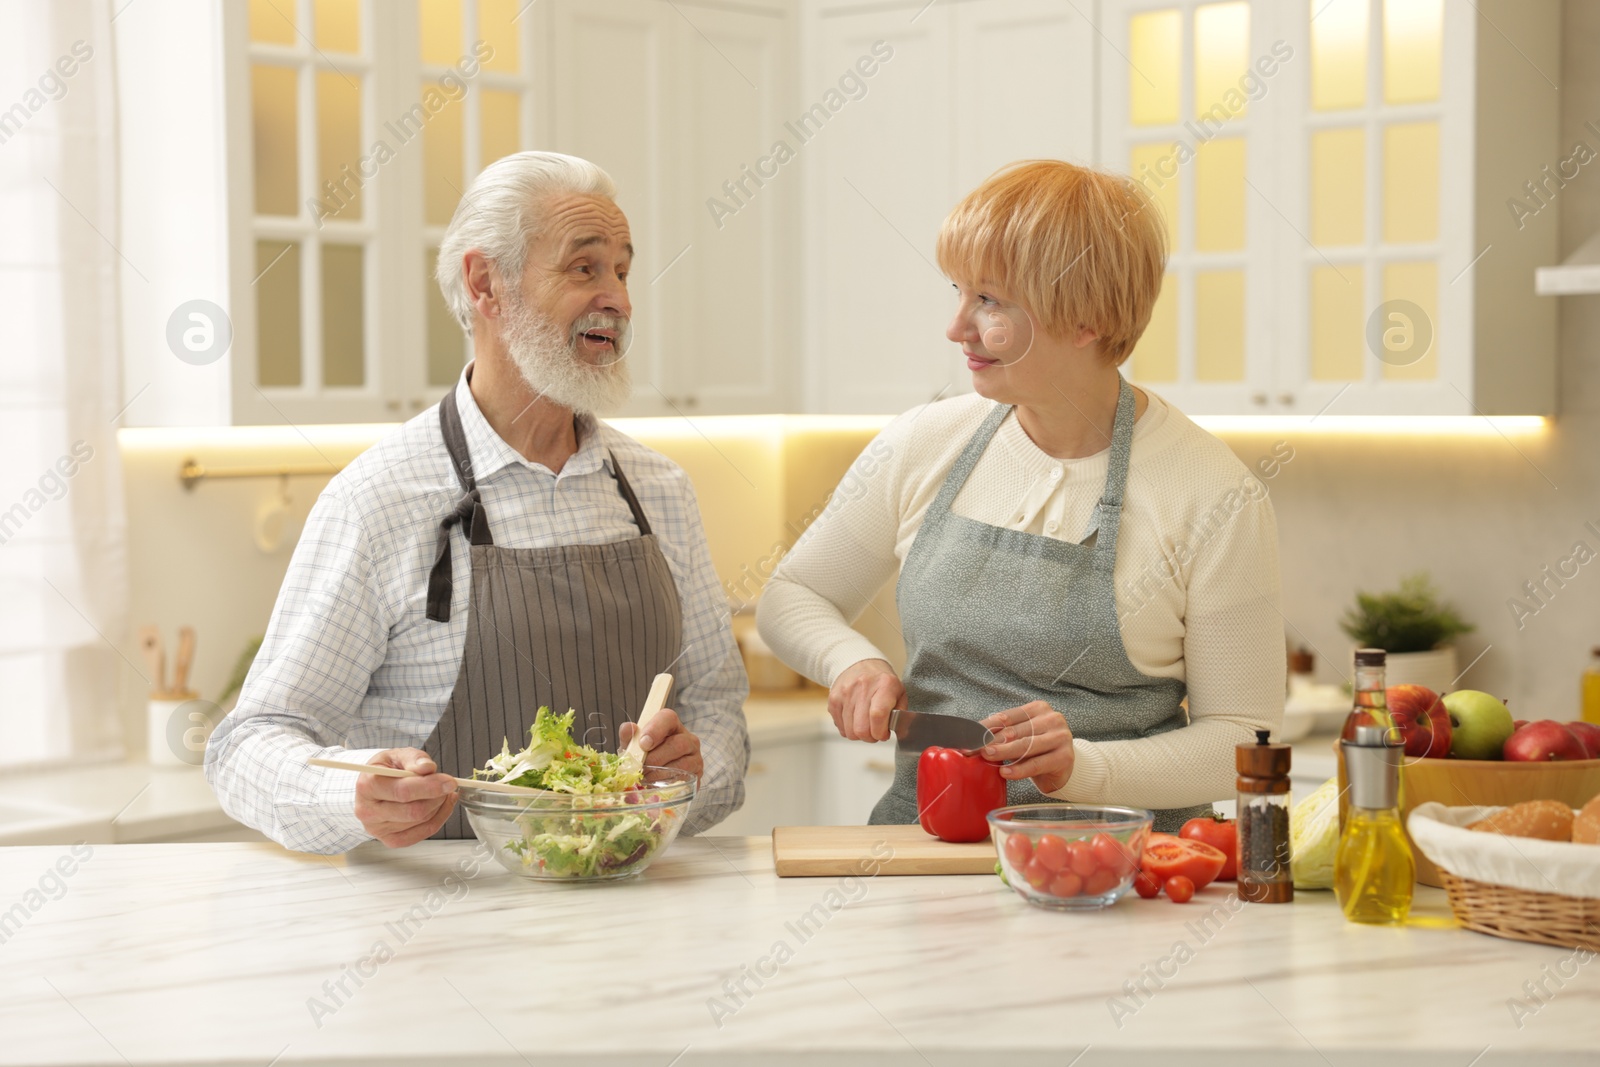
<point>1076,557</point>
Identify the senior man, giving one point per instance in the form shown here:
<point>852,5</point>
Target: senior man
<point>501,551</point>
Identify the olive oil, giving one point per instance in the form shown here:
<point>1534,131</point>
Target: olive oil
<point>1373,869</point>
<point>1591,689</point>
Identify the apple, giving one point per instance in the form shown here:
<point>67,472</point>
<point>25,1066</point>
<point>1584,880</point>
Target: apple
<point>1421,718</point>
<point>1588,735</point>
<point>1479,724</point>
<point>1542,741</point>
<point>1519,723</point>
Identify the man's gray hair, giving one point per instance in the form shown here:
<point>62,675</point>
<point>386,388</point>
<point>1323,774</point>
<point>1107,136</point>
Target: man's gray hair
<point>501,213</point>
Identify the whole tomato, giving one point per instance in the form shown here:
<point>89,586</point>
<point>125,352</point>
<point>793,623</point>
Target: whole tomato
<point>1219,833</point>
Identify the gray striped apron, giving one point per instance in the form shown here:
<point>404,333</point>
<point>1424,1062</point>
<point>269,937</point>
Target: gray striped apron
<point>994,618</point>
<point>568,626</point>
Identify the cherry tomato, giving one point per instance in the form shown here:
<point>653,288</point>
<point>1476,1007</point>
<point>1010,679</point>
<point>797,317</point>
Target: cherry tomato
<point>1166,856</point>
<point>1065,884</point>
<point>1146,885</point>
<point>1112,854</point>
<point>1037,874</point>
<point>1052,852</point>
<point>1179,888</point>
<point>1081,859</point>
<point>1219,833</point>
<point>1019,850</point>
<point>1101,881</point>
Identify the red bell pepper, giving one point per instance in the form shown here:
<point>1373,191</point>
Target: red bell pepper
<point>956,791</point>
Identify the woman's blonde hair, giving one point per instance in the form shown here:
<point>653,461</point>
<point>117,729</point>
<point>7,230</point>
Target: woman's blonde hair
<point>1075,247</point>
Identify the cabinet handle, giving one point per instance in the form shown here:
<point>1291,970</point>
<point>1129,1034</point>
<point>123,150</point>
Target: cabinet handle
<point>880,765</point>
<point>392,405</point>
<point>1258,398</point>
<point>756,768</point>
<point>1286,399</point>
<point>417,405</point>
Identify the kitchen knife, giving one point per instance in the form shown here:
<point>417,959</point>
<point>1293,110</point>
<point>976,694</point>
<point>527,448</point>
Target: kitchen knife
<point>917,730</point>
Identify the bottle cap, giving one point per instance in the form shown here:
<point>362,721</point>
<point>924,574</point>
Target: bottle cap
<point>1301,661</point>
<point>1371,657</point>
<point>1264,759</point>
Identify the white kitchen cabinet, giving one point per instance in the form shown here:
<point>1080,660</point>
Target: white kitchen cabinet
<point>686,122</point>
<point>780,788</point>
<point>383,113</point>
<point>957,90</point>
<point>1338,180</point>
<point>853,778</point>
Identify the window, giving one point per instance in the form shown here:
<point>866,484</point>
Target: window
<point>367,122</point>
<point>1297,153</point>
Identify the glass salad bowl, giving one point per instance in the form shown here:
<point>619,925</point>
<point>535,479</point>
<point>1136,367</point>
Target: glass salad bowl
<point>1070,857</point>
<point>582,837</point>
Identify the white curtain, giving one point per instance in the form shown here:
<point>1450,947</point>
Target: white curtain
<point>63,560</point>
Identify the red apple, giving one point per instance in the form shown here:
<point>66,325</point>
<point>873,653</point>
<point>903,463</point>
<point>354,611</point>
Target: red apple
<point>1518,724</point>
<point>1588,735</point>
<point>1422,718</point>
<point>1543,741</point>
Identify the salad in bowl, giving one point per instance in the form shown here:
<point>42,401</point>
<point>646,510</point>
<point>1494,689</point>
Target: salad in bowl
<point>602,817</point>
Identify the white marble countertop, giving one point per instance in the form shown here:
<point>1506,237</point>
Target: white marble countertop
<point>234,953</point>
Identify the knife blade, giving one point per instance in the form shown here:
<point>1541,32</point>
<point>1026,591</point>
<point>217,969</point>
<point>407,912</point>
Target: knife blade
<point>917,730</point>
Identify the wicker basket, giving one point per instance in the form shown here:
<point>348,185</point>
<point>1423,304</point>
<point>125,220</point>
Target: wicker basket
<point>1523,915</point>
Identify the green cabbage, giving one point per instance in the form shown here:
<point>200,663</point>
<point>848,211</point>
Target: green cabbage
<point>1314,837</point>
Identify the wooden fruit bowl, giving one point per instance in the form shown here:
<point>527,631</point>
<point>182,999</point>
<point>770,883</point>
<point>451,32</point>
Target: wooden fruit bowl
<point>1454,782</point>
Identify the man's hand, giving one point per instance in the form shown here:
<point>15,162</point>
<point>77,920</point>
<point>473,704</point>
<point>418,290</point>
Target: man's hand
<point>403,811</point>
<point>862,697</point>
<point>667,744</point>
<point>1037,738</point>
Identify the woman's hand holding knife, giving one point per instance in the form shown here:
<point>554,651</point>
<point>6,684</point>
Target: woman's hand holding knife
<point>1035,742</point>
<point>862,697</point>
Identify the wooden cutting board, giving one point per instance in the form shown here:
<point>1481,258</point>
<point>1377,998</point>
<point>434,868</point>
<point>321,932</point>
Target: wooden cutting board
<point>821,851</point>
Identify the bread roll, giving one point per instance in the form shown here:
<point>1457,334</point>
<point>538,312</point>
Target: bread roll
<point>1549,820</point>
<point>1586,827</point>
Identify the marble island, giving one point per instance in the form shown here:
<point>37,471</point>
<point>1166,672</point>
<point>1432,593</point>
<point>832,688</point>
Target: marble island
<point>243,953</point>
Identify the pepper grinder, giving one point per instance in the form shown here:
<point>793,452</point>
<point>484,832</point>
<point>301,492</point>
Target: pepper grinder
<point>1264,875</point>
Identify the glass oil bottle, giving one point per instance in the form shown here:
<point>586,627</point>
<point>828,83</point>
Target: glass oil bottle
<point>1370,707</point>
<point>1374,870</point>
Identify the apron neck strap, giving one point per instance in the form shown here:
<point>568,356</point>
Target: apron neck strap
<point>964,464</point>
<point>468,509</point>
<point>627,494</point>
<point>1107,517</point>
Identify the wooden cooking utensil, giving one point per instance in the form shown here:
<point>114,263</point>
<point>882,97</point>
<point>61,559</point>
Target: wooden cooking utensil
<point>155,657</point>
<point>398,772</point>
<point>653,703</point>
<point>185,660</point>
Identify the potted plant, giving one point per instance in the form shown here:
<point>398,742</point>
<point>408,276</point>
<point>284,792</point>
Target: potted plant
<point>1414,627</point>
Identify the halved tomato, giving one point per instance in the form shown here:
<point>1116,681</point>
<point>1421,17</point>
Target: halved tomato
<point>1166,855</point>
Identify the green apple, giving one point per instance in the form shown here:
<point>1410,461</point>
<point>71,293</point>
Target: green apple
<point>1479,724</point>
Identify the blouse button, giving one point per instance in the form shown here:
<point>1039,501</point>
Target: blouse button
<point>1055,473</point>
<point>1052,526</point>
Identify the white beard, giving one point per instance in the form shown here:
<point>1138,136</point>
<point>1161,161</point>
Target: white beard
<point>554,368</point>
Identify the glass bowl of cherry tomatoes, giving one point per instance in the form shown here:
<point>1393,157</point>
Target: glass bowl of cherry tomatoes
<point>1070,857</point>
